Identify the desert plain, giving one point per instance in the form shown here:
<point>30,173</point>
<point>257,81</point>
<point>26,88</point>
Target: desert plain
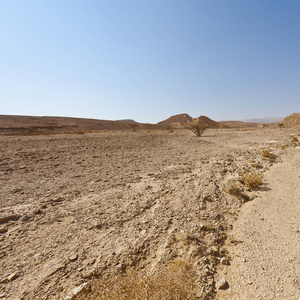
<point>80,207</point>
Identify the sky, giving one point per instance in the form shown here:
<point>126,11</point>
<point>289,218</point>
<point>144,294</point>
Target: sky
<point>149,59</point>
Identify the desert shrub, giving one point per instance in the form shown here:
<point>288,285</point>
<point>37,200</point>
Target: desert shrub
<point>133,126</point>
<point>283,146</point>
<point>233,188</point>
<point>173,282</point>
<point>294,139</point>
<point>252,180</point>
<point>198,128</point>
<point>267,154</point>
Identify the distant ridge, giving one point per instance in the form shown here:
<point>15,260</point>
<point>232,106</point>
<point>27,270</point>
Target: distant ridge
<point>176,120</point>
<point>239,124</point>
<point>39,125</point>
<point>264,120</point>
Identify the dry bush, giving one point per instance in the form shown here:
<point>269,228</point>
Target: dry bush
<point>252,180</point>
<point>233,188</point>
<point>174,282</point>
<point>198,129</point>
<point>283,146</point>
<point>133,126</point>
<point>294,139</point>
<point>268,154</point>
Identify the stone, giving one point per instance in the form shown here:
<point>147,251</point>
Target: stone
<point>2,230</point>
<point>5,219</point>
<point>224,261</point>
<point>75,291</point>
<point>73,257</point>
<point>24,218</point>
<point>223,284</point>
<point>12,276</point>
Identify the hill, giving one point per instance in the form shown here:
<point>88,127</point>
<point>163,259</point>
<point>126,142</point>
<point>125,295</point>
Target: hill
<point>10,125</point>
<point>292,121</point>
<point>210,123</point>
<point>176,120</point>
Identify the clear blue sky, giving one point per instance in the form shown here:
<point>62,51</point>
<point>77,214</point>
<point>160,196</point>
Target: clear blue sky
<point>150,59</point>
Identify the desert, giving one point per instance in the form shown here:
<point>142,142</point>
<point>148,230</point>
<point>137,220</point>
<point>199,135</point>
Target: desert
<point>78,208</point>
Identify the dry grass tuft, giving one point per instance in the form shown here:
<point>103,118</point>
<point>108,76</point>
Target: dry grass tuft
<point>252,180</point>
<point>171,283</point>
<point>233,188</point>
<point>268,154</point>
<point>283,146</point>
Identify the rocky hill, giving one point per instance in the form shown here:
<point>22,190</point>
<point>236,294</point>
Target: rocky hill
<point>176,120</point>
<point>292,121</point>
<point>210,123</point>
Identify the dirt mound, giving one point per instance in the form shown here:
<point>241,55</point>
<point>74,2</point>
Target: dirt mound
<point>177,120</point>
<point>10,125</point>
<point>210,123</point>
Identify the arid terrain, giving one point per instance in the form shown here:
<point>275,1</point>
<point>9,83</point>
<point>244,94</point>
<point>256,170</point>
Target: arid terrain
<point>77,207</point>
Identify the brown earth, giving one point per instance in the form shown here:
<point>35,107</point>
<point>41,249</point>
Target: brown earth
<point>18,125</point>
<point>74,207</point>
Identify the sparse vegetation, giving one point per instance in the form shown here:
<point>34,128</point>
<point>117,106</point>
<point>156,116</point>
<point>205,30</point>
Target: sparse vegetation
<point>198,128</point>
<point>233,188</point>
<point>171,283</point>
<point>268,154</point>
<point>252,180</point>
<point>133,126</point>
<point>283,146</point>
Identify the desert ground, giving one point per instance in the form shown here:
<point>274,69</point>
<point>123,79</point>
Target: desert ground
<point>75,207</point>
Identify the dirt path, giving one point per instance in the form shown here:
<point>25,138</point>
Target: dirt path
<point>266,262</point>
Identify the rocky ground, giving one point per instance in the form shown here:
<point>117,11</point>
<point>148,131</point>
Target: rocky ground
<point>75,207</point>
<point>266,264</point>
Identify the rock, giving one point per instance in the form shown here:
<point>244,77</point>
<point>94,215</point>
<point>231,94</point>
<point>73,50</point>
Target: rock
<point>222,251</point>
<point>73,257</point>
<point>121,267</point>
<point>205,227</point>
<point>12,276</point>
<point>2,230</point>
<point>223,284</point>
<point>24,218</point>
<point>2,295</point>
<point>224,261</point>
<point>37,211</point>
<point>5,219</point>
<point>75,291</point>
<point>88,274</point>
